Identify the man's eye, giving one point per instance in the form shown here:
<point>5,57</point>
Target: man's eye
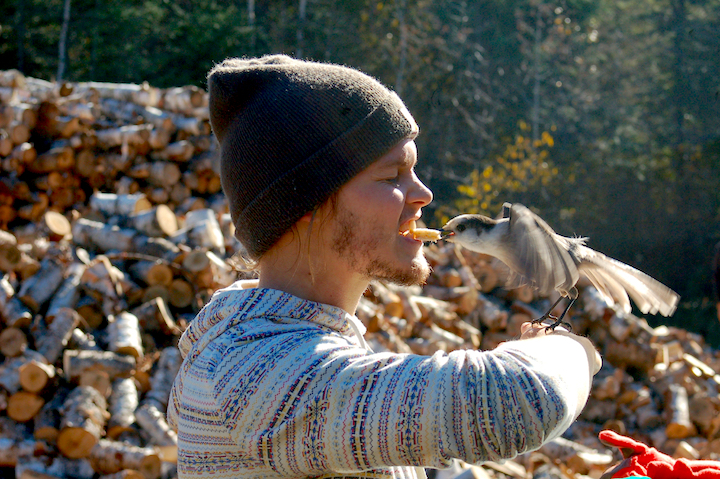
<point>393,179</point>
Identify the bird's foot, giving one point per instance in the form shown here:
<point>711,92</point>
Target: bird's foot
<point>556,321</point>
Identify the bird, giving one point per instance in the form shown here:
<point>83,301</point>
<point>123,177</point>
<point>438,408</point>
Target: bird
<point>548,262</point>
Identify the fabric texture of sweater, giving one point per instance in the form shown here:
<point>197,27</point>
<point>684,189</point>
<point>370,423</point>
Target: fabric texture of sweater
<point>276,386</point>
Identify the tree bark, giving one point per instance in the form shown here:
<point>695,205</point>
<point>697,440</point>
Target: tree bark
<point>62,45</point>
<point>124,400</point>
<point>116,365</point>
<point>81,427</point>
<point>110,457</point>
<point>151,418</point>
<point>52,341</point>
<point>124,335</point>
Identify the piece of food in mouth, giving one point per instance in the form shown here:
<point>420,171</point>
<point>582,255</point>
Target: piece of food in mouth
<point>423,234</point>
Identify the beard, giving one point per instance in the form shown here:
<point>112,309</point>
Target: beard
<point>359,246</point>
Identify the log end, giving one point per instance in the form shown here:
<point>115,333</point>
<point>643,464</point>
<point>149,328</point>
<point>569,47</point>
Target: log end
<point>76,442</point>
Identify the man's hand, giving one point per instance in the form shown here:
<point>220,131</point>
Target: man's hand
<point>529,330</point>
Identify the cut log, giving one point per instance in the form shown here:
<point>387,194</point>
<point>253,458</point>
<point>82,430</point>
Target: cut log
<point>98,380</point>
<point>157,221</point>
<point>162,174</point>
<point>100,236</point>
<point>491,316</point>
<point>581,459</point>
<point>12,450</point>
<point>83,341</point>
<point>180,151</point>
<point>13,342</point>
<point>9,252</point>
<point>132,135</point>
<point>56,226</point>
<point>162,380</point>
<point>181,293</point>
<point>39,288</point>
<point>82,423</point>
<point>24,154</point>
<point>487,277</point>
<point>90,310</point>
<point>111,204</point>
<point>42,468</point>
<point>154,317</point>
<point>109,457</point>
<point>10,369</point>
<point>13,312</point>
<point>151,418</point>
<point>679,425</point>
<point>57,158</point>
<point>124,335</point>
<point>124,474</point>
<point>141,94</point>
<point>152,272</point>
<point>124,400</point>
<point>23,406</point>
<point>35,376</point>
<point>68,293</point>
<point>52,341</point>
<point>116,365</point>
<point>18,132</point>
<point>183,99</point>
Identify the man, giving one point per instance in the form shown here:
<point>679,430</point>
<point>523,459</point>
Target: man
<point>318,167</point>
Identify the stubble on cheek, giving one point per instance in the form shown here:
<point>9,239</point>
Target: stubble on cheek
<point>360,252</point>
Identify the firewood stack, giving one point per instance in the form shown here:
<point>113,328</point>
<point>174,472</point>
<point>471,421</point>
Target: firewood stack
<point>114,233</point>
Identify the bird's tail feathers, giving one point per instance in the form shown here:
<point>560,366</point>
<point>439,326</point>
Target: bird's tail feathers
<point>608,288</point>
<point>617,280</point>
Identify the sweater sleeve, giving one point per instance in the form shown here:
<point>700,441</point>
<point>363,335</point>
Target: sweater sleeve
<point>325,407</point>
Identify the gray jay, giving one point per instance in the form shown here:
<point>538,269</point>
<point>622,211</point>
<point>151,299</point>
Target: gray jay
<point>547,261</point>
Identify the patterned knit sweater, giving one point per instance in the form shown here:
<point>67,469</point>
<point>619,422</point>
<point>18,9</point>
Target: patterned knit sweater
<point>275,386</point>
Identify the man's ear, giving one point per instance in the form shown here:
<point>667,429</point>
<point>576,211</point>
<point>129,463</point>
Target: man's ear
<point>307,217</point>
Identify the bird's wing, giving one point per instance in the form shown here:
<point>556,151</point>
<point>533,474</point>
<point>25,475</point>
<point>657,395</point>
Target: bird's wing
<point>606,274</point>
<point>542,257</point>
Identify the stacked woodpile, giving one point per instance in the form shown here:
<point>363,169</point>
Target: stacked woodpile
<point>114,233</point>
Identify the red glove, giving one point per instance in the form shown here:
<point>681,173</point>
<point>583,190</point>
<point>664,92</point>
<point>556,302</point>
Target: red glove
<point>642,460</point>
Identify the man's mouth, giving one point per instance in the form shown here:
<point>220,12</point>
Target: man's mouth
<point>407,228</point>
<point>420,234</point>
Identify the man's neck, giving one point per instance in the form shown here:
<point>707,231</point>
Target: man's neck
<point>296,275</point>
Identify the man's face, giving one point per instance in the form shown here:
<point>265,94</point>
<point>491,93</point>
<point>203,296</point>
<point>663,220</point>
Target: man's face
<point>371,211</point>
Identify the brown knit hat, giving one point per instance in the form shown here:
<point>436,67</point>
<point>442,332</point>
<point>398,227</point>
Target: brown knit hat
<point>291,133</point>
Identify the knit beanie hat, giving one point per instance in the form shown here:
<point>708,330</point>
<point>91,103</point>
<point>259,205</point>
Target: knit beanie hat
<point>291,133</point>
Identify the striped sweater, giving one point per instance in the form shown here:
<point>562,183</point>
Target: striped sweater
<point>273,386</point>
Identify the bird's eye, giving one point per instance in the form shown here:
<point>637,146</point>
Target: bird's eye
<point>461,228</point>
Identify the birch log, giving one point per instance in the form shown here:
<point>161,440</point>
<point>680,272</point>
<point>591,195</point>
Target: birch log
<point>11,450</point>
<point>12,311</point>
<point>97,235</point>
<point>151,418</point>
<point>166,369</point>
<point>47,421</point>
<point>34,376</point>
<point>155,317</point>
<point>39,288</point>
<point>124,335</point>
<point>116,365</point>
<point>23,406</point>
<point>68,293</point>
<point>13,342</point>
<point>52,341</point>
<point>110,457</point>
<point>81,427</point>
<point>111,204</point>
<point>124,400</point>
<point>157,221</point>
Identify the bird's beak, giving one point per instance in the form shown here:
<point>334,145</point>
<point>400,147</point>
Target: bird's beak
<point>446,234</point>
